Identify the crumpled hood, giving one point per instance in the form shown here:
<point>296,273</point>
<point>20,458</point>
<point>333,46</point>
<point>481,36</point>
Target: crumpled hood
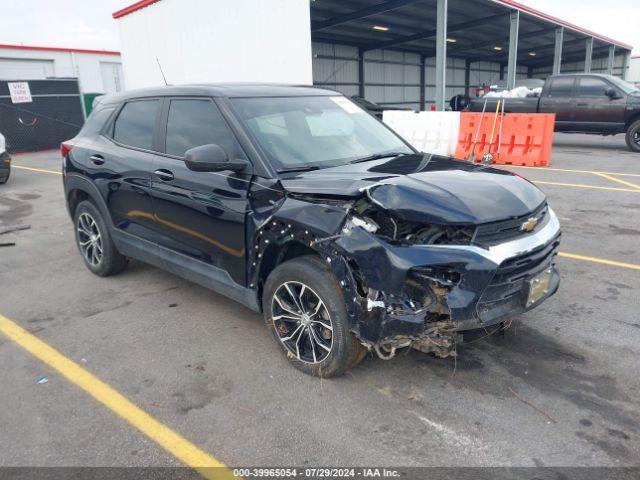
<point>426,188</point>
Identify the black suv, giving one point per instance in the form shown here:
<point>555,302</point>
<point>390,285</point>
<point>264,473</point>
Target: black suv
<point>299,204</point>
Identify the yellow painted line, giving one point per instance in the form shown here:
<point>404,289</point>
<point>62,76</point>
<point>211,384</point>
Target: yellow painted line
<point>171,441</point>
<point>572,170</point>
<point>179,228</point>
<point>603,261</point>
<point>618,180</point>
<point>594,187</point>
<point>41,170</point>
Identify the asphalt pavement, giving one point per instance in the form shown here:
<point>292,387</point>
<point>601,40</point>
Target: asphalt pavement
<point>560,388</point>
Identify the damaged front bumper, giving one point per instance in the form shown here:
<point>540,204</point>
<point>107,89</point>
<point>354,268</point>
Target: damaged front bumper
<point>424,296</point>
<point>400,295</point>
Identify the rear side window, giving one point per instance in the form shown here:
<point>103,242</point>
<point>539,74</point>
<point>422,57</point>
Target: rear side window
<point>592,87</point>
<point>193,123</point>
<point>561,87</point>
<point>135,124</point>
<point>96,121</point>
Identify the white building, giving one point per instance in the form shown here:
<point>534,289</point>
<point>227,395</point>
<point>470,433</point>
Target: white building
<point>216,41</point>
<point>634,70</point>
<point>98,71</point>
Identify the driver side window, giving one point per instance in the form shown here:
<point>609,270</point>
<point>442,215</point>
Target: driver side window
<point>592,87</point>
<point>196,122</point>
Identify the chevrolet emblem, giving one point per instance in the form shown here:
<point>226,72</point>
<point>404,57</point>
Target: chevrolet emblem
<point>529,225</point>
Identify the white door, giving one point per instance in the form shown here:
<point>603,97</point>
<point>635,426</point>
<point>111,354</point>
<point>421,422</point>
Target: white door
<point>21,69</point>
<point>111,77</point>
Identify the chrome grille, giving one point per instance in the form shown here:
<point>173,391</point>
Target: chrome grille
<point>505,230</point>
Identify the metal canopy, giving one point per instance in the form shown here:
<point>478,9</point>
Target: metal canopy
<point>477,30</point>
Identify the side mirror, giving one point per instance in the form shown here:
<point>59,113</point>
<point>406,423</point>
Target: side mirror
<point>611,93</point>
<point>212,158</point>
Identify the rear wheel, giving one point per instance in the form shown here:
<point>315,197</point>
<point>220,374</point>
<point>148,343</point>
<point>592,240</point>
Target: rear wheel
<point>94,242</point>
<point>5,179</point>
<point>633,137</point>
<point>305,311</point>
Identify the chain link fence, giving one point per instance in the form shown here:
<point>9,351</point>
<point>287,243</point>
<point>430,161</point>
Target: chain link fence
<point>54,115</point>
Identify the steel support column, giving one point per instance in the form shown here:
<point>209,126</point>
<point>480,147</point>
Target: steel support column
<point>588,55</point>
<point>625,65</point>
<point>441,54</point>
<point>513,49</point>
<point>361,73</point>
<point>467,77</point>
<point>557,54</point>
<point>423,84</point>
<point>610,60</point>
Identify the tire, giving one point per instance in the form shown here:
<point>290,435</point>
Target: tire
<point>633,137</point>
<point>309,279</point>
<point>94,241</point>
<point>5,179</point>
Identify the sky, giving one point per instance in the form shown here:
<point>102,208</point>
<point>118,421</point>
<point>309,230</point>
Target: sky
<point>88,23</point>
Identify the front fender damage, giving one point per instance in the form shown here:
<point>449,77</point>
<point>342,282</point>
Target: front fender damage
<point>395,296</point>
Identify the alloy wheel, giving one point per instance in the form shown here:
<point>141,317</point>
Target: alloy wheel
<point>89,239</point>
<point>302,322</point>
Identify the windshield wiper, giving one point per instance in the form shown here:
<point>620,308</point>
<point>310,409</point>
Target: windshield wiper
<point>300,168</point>
<point>378,156</point>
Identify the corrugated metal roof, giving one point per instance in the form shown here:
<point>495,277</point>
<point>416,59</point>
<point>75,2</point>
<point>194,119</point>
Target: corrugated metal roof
<point>564,23</point>
<point>479,27</point>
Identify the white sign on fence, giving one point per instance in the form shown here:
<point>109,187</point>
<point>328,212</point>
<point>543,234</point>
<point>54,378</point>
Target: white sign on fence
<point>20,92</point>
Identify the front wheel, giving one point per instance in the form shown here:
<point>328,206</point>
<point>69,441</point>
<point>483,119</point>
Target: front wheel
<point>304,309</point>
<point>633,137</point>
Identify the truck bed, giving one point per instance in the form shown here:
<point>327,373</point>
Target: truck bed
<point>512,105</point>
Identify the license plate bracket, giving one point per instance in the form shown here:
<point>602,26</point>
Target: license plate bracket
<point>538,286</point>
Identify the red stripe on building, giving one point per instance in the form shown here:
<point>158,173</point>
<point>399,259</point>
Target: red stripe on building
<point>58,49</point>
<point>135,7</point>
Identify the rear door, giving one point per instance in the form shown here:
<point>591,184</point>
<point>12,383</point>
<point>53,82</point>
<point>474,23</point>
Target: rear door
<point>115,150</point>
<point>595,111</point>
<point>558,97</point>
<point>127,163</point>
<point>199,214</point>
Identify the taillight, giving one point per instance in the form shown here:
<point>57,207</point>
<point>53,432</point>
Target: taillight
<point>65,148</point>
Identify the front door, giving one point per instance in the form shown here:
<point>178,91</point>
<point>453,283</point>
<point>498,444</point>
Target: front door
<point>595,111</point>
<point>200,214</point>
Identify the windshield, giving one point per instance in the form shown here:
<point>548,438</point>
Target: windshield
<point>626,87</point>
<point>305,132</point>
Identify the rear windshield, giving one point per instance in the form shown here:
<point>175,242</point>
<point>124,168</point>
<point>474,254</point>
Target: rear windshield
<point>318,131</point>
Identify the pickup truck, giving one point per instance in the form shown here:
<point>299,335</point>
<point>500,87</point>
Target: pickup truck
<point>583,103</point>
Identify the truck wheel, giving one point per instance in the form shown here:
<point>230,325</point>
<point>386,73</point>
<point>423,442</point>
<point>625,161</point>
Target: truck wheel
<point>94,242</point>
<point>633,137</point>
<point>305,311</point>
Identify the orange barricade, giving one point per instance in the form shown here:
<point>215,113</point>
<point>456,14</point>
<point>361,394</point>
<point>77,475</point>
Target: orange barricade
<point>527,138</point>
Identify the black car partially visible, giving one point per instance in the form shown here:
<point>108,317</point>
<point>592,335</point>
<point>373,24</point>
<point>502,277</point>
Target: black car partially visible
<point>5,161</point>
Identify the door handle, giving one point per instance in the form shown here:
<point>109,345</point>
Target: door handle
<point>164,175</point>
<point>583,104</point>
<point>97,159</point>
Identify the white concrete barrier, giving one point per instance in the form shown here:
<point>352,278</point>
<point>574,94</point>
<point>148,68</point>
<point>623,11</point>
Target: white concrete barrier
<point>430,132</point>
